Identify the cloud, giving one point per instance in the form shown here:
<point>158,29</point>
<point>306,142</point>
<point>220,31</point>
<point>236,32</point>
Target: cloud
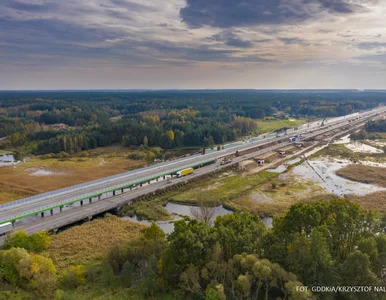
<point>371,45</point>
<point>230,13</point>
<point>231,39</point>
<point>377,58</point>
<point>293,41</point>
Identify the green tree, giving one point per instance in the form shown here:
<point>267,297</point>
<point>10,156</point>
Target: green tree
<point>18,239</point>
<point>39,274</point>
<point>145,141</point>
<point>355,271</point>
<point>9,262</point>
<point>190,243</point>
<point>238,233</point>
<point>40,241</point>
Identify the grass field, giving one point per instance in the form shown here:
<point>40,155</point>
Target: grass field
<point>38,175</point>
<point>3,152</point>
<point>91,241</point>
<point>374,201</point>
<point>219,188</point>
<point>276,124</point>
<point>275,196</point>
<point>364,174</point>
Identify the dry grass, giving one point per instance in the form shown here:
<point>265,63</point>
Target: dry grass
<point>91,241</point>
<point>376,201</point>
<point>365,174</point>
<point>274,197</point>
<point>17,182</point>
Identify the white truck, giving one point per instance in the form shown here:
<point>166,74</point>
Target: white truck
<point>5,228</point>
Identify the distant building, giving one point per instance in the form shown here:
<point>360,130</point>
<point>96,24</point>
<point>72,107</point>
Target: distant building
<point>59,126</point>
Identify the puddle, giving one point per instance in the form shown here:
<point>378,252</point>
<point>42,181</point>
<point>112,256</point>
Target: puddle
<point>279,169</point>
<point>186,210</point>
<point>43,172</point>
<point>323,172</point>
<point>343,140</point>
<point>7,160</point>
<point>360,147</point>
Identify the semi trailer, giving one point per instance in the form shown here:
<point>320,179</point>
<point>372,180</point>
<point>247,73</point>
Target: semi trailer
<point>5,228</point>
<point>185,172</point>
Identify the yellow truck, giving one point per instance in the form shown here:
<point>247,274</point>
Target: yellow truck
<point>185,172</point>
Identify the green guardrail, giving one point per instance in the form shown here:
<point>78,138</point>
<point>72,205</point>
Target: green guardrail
<point>131,184</point>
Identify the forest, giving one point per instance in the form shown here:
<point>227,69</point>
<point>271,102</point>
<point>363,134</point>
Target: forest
<point>166,119</point>
<point>372,130</point>
<point>325,243</point>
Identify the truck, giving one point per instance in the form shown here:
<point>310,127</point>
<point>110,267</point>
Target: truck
<point>5,228</point>
<point>185,172</point>
<point>292,139</point>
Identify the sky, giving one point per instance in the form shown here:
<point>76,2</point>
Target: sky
<point>192,44</point>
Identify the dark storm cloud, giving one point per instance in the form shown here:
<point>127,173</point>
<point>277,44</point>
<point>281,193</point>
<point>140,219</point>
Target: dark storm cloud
<point>229,13</point>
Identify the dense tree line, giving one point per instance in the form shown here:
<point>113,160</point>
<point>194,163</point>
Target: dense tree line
<point>376,126</point>
<point>166,119</point>
<point>371,131</point>
<point>321,244</point>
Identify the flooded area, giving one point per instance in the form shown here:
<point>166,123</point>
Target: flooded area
<point>323,172</point>
<point>7,160</point>
<point>283,167</point>
<point>363,148</point>
<point>179,211</point>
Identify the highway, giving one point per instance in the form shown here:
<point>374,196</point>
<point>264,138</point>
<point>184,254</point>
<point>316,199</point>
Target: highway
<point>48,200</point>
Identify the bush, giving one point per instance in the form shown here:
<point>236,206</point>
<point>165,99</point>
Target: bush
<point>137,155</point>
<point>37,242</point>
<point>84,154</point>
<point>75,276</point>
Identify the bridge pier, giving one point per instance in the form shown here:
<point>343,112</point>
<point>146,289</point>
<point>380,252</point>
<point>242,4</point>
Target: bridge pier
<point>99,197</point>
<point>164,177</point>
<point>51,212</point>
<point>140,184</point>
<point>81,202</point>
<point>131,187</point>
<point>90,200</point>
<point>61,208</point>
<point>113,193</point>
<point>121,191</point>
<point>148,182</point>
<point>13,223</point>
<point>42,214</point>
